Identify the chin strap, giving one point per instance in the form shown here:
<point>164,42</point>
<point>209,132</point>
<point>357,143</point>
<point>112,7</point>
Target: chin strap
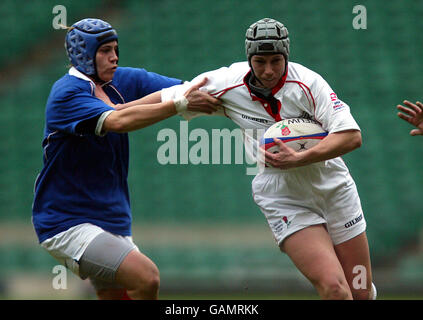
<point>263,93</point>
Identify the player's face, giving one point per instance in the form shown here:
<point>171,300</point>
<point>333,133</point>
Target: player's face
<point>107,60</point>
<point>269,69</point>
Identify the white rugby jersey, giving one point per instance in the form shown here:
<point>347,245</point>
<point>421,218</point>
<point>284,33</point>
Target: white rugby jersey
<point>301,93</point>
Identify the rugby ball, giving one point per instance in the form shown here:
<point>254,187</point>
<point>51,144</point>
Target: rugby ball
<point>298,133</point>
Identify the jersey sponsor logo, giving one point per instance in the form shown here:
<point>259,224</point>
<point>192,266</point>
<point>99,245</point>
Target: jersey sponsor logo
<point>255,119</point>
<point>353,221</point>
<point>337,104</point>
<point>333,96</point>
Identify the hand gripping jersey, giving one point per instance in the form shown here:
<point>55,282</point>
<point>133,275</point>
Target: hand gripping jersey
<point>301,93</point>
<point>84,177</point>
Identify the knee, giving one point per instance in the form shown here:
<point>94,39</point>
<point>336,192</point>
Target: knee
<point>334,288</point>
<point>337,291</point>
<point>140,276</point>
<point>152,282</point>
<point>148,284</point>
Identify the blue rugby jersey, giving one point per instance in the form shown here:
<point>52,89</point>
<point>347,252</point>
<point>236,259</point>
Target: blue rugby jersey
<point>84,175</point>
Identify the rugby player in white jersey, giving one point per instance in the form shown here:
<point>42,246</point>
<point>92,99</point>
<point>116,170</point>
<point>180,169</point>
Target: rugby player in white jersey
<point>309,198</point>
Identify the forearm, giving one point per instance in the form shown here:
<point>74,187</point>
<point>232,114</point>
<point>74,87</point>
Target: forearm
<point>334,145</point>
<point>138,117</point>
<point>152,98</point>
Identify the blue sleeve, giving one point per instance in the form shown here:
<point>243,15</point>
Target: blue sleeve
<point>70,103</point>
<point>138,83</point>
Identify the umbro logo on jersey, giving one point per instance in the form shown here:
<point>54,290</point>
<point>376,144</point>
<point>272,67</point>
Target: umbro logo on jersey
<point>255,119</point>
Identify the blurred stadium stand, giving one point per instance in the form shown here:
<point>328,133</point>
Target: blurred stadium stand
<point>372,70</point>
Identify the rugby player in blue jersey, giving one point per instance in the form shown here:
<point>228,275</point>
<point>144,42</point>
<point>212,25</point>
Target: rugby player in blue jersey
<point>81,208</point>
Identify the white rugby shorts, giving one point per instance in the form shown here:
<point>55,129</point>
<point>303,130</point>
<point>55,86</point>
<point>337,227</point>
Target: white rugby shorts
<point>321,193</point>
<point>68,246</point>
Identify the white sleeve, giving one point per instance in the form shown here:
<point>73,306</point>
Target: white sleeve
<point>99,127</point>
<point>175,91</point>
<point>330,111</point>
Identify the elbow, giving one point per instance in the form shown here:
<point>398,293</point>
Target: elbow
<point>119,128</point>
<point>357,140</point>
<point>114,123</point>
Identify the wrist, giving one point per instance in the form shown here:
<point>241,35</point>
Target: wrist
<point>181,104</point>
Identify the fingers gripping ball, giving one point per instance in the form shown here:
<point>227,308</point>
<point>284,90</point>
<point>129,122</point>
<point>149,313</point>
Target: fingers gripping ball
<point>299,134</point>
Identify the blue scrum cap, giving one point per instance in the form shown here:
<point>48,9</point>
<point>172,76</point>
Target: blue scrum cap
<point>83,40</point>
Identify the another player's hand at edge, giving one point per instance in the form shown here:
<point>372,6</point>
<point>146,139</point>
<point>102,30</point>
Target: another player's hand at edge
<point>413,115</point>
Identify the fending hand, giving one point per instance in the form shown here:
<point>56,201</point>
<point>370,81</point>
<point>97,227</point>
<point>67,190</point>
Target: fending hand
<point>201,101</point>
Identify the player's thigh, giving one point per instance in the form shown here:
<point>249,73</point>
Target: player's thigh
<point>101,260</point>
<point>354,257</point>
<point>68,246</point>
<point>312,252</point>
<point>137,270</point>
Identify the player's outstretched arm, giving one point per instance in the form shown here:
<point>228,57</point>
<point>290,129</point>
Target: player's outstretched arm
<point>413,115</point>
<point>152,98</point>
<point>198,101</point>
<point>138,116</point>
<point>334,145</point>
